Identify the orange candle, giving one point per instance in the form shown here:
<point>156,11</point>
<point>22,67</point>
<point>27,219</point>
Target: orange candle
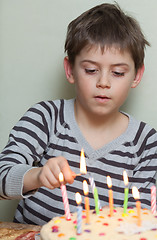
<point>110,192</point>
<point>136,195</point>
<point>138,206</point>
<point>85,189</point>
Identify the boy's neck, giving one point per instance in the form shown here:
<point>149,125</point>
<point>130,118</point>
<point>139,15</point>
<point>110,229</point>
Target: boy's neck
<point>99,131</point>
<point>96,121</point>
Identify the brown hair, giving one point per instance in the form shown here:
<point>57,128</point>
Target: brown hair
<point>106,25</point>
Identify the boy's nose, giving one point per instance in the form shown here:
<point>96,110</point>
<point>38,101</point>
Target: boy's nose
<point>103,82</point>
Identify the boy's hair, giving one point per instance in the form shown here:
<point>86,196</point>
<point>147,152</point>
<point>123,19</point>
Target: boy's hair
<point>106,25</point>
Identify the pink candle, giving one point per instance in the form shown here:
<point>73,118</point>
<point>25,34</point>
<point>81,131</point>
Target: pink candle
<point>153,199</point>
<point>65,197</point>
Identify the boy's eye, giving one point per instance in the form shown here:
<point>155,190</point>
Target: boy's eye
<point>90,70</point>
<point>118,74</point>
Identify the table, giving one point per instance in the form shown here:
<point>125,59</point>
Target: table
<point>10,230</point>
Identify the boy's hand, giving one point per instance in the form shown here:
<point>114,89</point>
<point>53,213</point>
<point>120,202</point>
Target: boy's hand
<point>48,175</point>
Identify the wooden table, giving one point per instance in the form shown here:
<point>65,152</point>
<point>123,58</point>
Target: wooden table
<point>10,230</point>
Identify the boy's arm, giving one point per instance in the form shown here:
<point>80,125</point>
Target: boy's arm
<point>48,175</point>
<point>27,143</point>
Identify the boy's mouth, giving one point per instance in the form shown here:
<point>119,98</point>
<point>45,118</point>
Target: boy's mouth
<point>102,98</point>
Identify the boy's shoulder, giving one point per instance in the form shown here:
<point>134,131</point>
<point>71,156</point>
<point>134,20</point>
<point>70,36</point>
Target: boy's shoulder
<point>45,111</point>
<point>51,109</point>
<point>142,129</point>
<point>53,104</point>
<point>138,129</point>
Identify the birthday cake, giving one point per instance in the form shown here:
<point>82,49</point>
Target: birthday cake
<point>103,226</point>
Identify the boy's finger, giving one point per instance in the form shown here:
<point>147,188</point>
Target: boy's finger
<point>66,170</point>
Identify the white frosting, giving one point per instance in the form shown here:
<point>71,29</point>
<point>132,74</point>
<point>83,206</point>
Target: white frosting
<point>103,226</point>
<point>132,228</point>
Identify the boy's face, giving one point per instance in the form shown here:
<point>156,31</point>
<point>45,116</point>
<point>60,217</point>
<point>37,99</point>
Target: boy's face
<point>103,80</point>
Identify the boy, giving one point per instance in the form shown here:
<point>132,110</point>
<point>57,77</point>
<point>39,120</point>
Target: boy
<point>105,59</point>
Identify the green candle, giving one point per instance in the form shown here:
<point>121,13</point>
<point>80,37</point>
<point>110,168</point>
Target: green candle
<point>126,190</point>
<point>96,200</point>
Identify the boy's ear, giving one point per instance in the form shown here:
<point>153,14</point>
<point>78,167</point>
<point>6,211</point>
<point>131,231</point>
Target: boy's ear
<point>68,70</point>
<point>138,76</point>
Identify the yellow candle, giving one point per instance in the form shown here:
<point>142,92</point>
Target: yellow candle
<point>109,183</point>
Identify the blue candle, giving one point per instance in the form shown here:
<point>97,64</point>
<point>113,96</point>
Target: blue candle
<point>79,213</point>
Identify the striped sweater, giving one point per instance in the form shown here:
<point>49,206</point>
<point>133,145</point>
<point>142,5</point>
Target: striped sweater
<point>48,129</point>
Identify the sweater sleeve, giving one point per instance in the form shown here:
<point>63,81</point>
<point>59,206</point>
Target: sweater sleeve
<point>145,172</point>
<point>27,143</point>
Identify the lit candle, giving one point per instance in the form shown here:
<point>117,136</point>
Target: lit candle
<point>153,199</point>
<point>109,183</point>
<point>64,197</point>
<point>92,184</point>
<point>136,195</point>
<point>85,189</point>
<point>79,213</point>
<point>126,190</point>
<point>83,168</point>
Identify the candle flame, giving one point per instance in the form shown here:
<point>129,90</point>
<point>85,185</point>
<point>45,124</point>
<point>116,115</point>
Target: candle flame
<point>85,187</point>
<point>125,178</point>
<point>78,198</point>
<point>83,168</point>
<point>61,177</point>
<point>109,181</point>
<point>135,193</point>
